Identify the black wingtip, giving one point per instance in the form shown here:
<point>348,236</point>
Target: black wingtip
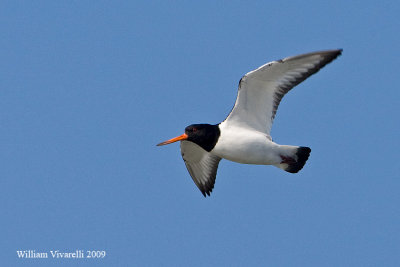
<point>207,187</point>
<point>339,51</point>
<point>331,55</point>
<point>206,192</point>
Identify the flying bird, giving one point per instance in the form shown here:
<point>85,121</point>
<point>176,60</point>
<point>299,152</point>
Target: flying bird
<point>244,136</point>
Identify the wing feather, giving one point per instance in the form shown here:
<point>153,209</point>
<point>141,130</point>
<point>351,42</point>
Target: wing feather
<point>202,166</point>
<point>261,90</point>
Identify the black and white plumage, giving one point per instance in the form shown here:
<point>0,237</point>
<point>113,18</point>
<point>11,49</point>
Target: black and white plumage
<point>244,136</point>
<point>202,165</point>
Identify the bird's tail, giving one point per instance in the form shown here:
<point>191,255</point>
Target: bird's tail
<point>294,160</point>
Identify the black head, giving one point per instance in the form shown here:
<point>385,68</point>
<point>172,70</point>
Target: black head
<point>204,135</point>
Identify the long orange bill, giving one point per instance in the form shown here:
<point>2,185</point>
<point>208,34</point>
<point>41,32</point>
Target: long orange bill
<point>178,138</point>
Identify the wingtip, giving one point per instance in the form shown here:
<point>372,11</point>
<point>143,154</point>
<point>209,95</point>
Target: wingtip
<point>206,192</point>
<point>335,52</point>
<point>332,53</point>
<point>338,52</point>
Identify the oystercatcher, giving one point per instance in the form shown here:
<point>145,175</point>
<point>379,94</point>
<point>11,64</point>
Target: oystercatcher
<point>244,136</point>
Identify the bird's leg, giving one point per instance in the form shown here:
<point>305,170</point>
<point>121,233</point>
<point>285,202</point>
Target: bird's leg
<point>287,160</point>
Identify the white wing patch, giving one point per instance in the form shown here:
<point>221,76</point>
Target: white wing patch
<point>261,90</point>
<point>202,166</point>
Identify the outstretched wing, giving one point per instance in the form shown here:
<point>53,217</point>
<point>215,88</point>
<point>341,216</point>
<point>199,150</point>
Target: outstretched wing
<point>261,90</point>
<point>201,165</point>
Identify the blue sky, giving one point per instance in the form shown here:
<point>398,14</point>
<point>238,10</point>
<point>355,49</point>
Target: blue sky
<point>88,89</point>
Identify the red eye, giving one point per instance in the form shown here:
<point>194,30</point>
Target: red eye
<point>194,129</point>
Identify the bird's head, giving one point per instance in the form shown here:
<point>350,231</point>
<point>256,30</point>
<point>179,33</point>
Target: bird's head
<point>204,135</point>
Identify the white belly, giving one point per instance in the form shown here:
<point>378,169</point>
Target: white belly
<point>246,146</point>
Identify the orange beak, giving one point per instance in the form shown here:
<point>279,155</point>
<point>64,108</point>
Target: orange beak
<point>173,140</point>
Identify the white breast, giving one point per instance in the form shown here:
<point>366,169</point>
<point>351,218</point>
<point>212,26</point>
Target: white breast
<point>245,145</point>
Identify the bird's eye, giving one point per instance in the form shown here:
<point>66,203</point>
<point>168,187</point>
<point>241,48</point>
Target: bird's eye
<point>194,130</point>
